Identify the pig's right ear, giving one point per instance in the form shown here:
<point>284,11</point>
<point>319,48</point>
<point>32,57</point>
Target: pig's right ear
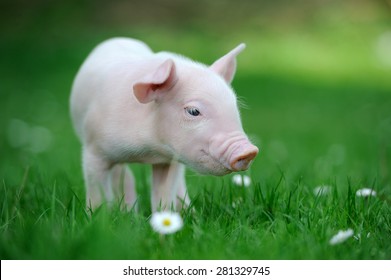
<point>154,84</point>
<point>226,65</point>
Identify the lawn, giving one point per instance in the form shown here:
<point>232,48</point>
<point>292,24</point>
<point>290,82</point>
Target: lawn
<point>317,105</point>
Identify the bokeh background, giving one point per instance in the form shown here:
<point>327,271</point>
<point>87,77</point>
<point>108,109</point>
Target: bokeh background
<point>315,78</point>
<point>315,74</point>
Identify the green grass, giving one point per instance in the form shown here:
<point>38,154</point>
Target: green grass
<point>275,220</point>
<point>314,125</point>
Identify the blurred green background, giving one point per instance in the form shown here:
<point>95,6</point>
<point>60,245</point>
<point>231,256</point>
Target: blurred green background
<point>315,74</point>
<point>315,78</point>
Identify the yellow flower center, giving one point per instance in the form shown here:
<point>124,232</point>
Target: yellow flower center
<point>166,222</point>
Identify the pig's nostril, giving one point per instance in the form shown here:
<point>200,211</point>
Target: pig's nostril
<point>243,161</point>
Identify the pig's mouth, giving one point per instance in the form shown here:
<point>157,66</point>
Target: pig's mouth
<point>209,165</point>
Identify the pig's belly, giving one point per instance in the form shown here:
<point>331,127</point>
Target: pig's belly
<point>138,154</point>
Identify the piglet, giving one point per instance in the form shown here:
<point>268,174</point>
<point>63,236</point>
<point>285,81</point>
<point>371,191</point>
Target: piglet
<point>130,105</point>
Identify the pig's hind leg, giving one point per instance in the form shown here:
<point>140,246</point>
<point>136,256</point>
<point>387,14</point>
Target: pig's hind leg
<point>123,184</point>
<point>182,197</point>
<point>97,177</point>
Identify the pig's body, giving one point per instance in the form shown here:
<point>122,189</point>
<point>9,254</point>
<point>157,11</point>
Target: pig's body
<point>104,111</point>
<point>129,104</point>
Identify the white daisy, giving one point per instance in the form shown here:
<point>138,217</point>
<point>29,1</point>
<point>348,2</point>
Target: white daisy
<point>166,222</point>
<point>341,236</point>
<point>366,192</point>
<point>322,190</point>
<point>240,180</point>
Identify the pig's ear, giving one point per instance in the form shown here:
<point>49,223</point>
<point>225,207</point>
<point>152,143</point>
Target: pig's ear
<point>152,86</point>
<point>226,65</point>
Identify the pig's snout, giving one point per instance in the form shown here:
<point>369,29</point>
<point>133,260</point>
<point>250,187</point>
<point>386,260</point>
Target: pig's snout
<point>243,157</point>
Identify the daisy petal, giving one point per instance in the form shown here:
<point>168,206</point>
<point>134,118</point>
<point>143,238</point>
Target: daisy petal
<point>166,222</point>
<point>365,192</point>
<point>341,236</point>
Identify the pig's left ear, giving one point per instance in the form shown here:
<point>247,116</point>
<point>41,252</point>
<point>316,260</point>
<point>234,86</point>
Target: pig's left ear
<point>226,65</point>
<point>155,83</point>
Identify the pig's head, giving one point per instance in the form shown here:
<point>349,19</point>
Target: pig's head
<point>196,113</point>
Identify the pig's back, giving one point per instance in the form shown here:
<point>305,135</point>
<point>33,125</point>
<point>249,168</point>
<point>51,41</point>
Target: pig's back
<point>120,48</point>
<point>103,72</point>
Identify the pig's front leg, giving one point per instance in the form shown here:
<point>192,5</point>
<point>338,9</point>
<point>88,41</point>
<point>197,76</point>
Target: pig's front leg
<point>123,184</point>
<point>167,179</point>
<point>97,177</point>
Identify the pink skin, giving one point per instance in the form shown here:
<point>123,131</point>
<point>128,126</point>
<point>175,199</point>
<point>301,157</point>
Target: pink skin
<point>179,113</point>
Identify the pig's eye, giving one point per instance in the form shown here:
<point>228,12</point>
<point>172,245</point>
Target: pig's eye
<point>192,111</point>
